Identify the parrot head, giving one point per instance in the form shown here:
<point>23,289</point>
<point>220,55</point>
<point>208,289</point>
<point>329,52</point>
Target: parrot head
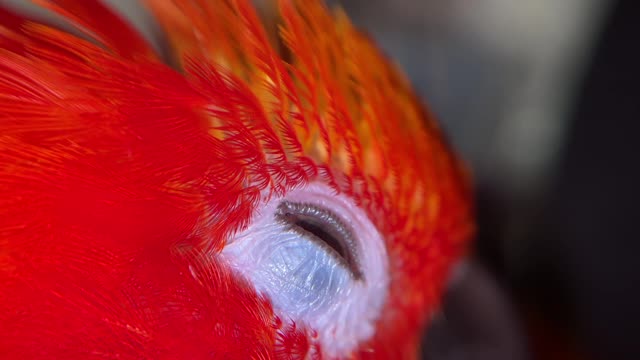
<point>272,189</point>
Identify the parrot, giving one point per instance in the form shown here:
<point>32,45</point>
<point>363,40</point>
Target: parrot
<point>268,186</point>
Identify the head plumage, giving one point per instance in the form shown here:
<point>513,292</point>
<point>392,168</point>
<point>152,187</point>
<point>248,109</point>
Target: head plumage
<point>257,103</point>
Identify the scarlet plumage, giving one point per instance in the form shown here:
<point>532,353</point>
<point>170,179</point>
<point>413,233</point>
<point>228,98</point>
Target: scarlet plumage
<point>120,177</point>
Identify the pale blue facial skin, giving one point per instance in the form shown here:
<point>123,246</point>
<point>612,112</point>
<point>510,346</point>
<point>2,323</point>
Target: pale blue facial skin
<point>301,275</point>
<point>336,290</point>
<point>296,271</point>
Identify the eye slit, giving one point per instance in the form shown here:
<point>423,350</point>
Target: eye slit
<point>326,229</point>
<point>316,229</point>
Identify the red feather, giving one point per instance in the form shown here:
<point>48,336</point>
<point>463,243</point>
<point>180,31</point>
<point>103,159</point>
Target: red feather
<point>120,176</point>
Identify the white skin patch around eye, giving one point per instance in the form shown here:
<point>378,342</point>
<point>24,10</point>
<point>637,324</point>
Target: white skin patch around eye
<point>320,261</point>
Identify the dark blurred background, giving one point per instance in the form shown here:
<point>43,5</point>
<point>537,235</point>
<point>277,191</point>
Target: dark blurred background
<point>541,97</point>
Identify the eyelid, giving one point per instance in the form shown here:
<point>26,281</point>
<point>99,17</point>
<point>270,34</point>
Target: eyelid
<point>348,254</point>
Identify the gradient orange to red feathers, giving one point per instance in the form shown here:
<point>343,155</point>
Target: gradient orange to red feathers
<point>119,176</point>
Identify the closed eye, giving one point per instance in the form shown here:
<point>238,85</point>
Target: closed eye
<point>325,228</point>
